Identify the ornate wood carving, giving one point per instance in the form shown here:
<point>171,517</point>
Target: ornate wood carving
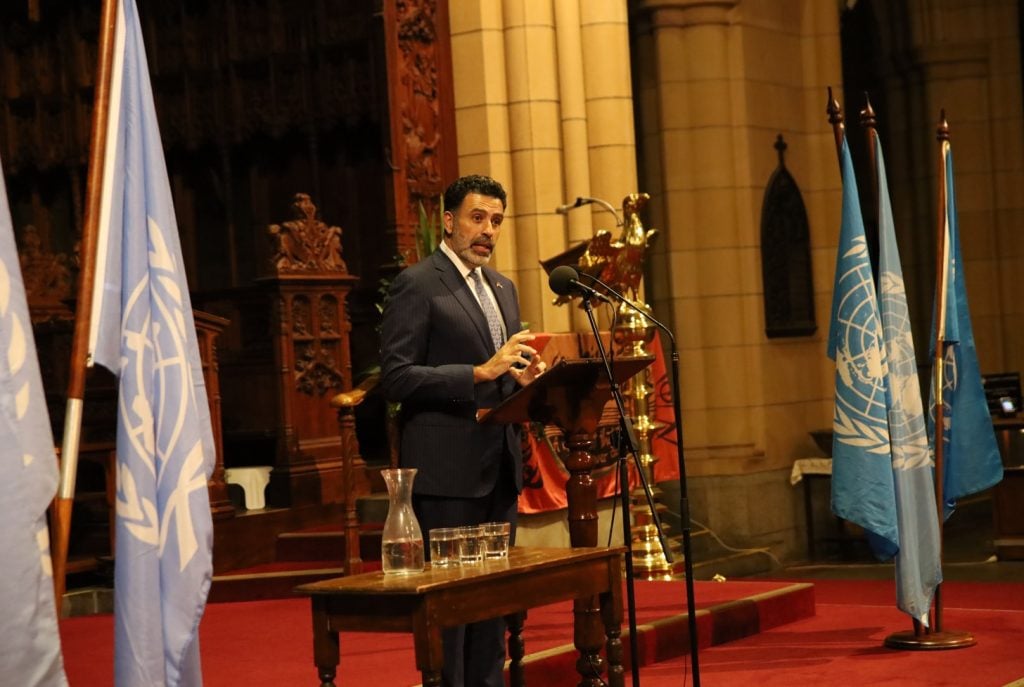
<point>216,58</point>
<point>309,285</point>
<point>315,371</point>
<point>422,112</point>
<point>305,243</point>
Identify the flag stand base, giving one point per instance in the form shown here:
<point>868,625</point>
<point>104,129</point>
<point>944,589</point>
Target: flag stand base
<point>926,641</point>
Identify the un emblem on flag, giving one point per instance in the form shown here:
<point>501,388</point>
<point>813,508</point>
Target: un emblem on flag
<point>906,412</point>
<point>860,415</point>
<point>160,421</point>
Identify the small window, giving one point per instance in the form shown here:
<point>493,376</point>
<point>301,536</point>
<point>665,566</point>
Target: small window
<point>786,256</point>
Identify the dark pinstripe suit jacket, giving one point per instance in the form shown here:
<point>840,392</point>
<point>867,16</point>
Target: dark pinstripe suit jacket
<point>433,333</point>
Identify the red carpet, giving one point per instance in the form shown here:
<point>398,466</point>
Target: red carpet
<point>269,643</point>
<point>752,633</point>
<point>842,644</point>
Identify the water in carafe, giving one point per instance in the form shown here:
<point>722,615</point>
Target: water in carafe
<point>402,540</point>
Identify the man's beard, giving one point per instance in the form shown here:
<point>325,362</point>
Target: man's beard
<point>474,258</point>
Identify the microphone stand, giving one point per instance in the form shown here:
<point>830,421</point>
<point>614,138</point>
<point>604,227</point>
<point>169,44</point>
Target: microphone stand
<point>629,442</point>
<point>684,503</point>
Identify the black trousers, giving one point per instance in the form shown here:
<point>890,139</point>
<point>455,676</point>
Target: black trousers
<point>474,655</point>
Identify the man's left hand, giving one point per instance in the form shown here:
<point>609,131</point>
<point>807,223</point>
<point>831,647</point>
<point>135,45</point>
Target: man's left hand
<point>526,375</point>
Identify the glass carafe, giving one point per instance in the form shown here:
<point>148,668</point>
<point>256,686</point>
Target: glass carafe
<point>402,541</point>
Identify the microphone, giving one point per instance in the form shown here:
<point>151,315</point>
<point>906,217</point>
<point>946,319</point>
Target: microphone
<point>585,200</point>
<point>564,280</point>
<point>580,202</point>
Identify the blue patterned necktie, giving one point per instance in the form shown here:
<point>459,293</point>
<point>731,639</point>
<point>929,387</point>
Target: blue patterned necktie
<point>493,320</point>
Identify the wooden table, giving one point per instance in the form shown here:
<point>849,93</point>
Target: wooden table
<point>426,602</point>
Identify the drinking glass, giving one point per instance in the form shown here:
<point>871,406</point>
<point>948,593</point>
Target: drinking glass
<point>444,547</point>
<point>471,545</point>
<point>496,536</point>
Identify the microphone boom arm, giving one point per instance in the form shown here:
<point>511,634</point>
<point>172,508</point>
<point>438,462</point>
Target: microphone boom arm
<point>587,200</point>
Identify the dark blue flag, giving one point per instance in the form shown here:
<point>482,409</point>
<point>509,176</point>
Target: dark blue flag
<point>970,453</point>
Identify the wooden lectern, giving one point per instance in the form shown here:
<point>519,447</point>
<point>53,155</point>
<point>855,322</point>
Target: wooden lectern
<point>572,396</point>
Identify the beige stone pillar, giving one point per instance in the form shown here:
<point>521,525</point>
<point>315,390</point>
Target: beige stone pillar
<point>543,102</point>
<point>606,77</point>
<point>573,98</point>
<point>700,199</point>
<point>481,102</point>
<point>717,82</point>
<point>535,141</point>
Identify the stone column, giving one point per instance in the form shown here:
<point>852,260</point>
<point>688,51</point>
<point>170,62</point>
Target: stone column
<point>531,60</point>
<point>543,102</point>
<point>609,94</point>
<point>701,197</point>
<point>718,81</point>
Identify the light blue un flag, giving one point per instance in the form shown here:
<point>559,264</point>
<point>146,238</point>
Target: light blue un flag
<point>918,563</point>
<point>144,332</point>
<point>862,480</point>
<point>970,453</point>
<point>29,644</point>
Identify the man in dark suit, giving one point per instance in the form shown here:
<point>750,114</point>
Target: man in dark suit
<point>451,345</point>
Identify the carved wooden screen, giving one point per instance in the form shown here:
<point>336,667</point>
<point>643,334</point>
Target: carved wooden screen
<point>786,256</point>
<point>421,103</point>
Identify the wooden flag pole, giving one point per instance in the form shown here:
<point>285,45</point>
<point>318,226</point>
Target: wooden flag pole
<point>83,310</point>
<point>869,121</point>
<point>835,118</point>
<point>938,363</point>
<point>936,636</point>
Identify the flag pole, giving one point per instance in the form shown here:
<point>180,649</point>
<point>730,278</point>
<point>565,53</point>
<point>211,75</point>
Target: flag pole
<point>938,363</point>
<point>869,121</point>
<point>835,118</point>
<point>937,637</point>
<point>83,310</point>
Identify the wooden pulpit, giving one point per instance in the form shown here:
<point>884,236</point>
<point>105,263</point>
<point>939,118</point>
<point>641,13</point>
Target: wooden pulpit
<point>285,355</point>
<point>572,396</point>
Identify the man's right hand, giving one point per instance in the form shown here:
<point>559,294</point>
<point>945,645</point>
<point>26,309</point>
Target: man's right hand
<point>513,352</point>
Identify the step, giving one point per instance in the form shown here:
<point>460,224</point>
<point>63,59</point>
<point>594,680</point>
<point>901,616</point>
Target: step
<point>325,546</point>
<point>270,581</point>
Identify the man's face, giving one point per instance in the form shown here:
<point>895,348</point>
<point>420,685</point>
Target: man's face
<point>471,230</point>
